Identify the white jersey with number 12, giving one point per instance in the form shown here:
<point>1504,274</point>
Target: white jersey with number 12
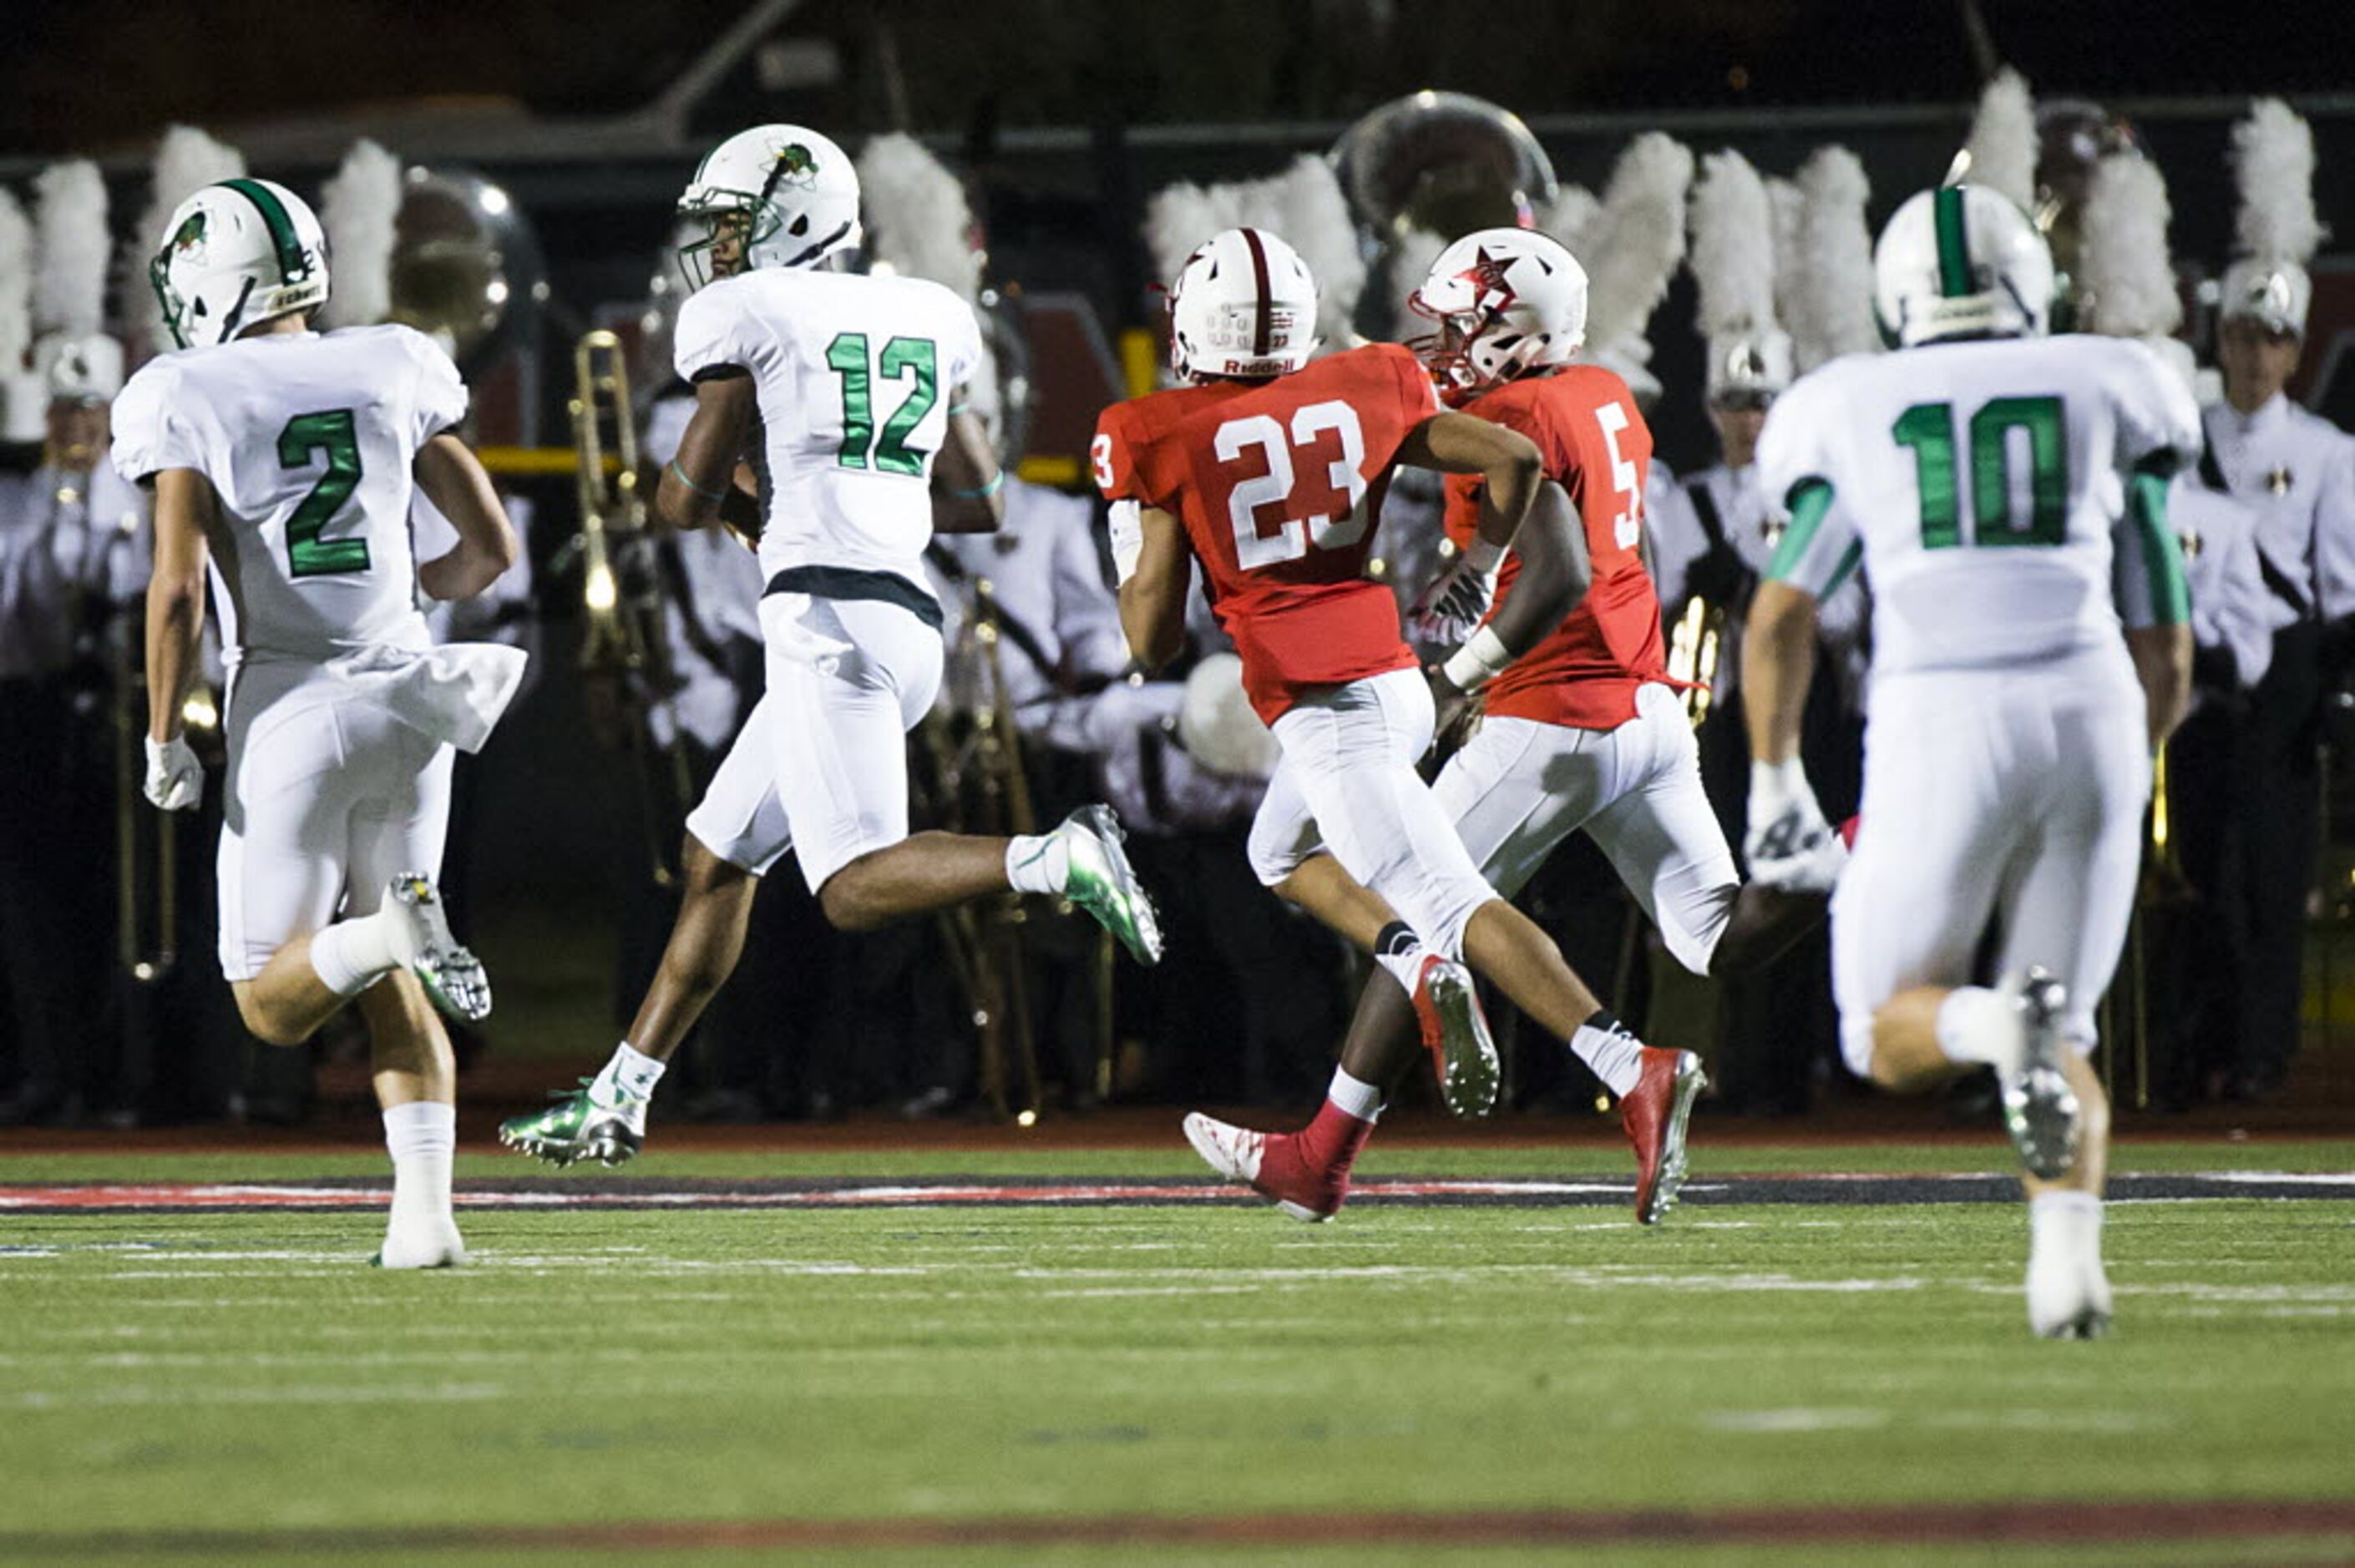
<point>855,376</point>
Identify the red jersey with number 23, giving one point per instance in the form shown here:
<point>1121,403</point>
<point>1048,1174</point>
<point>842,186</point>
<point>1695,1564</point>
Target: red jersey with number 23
<point>1279,485</point>
<point>1585,673</point>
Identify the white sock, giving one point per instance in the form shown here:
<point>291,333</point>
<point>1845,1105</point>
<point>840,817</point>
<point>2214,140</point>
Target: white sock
<point>1604,1044</point>
<point>352,955</point>
<point>630,1071</point>
<point>2067,1221</point>
<point>1977,1024</point>
<point>422,1137</point>
<point>1354,1095</point>
<point>1038,862</point>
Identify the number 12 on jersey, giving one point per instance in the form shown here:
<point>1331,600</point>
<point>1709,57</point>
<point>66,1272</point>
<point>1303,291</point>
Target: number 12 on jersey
<point>904,358</point>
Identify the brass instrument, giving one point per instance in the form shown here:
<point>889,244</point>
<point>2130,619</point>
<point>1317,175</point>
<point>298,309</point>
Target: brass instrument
<point>1694,643</point>
<point>147,842</point>
<point>977,785</point>
<point>621,641</point>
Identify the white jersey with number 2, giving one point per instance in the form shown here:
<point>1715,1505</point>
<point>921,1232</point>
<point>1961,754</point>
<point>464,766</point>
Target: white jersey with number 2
<point>855,376</point>
<point>1983,487</point>
<point>308,441</point>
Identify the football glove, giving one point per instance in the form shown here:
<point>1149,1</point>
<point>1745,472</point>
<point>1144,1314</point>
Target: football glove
<point>1452,608</point>
<point>1789,845</point>
<point>175,780</point>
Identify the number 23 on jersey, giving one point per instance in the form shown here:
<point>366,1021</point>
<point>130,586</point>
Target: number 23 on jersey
<point>1291,488</point>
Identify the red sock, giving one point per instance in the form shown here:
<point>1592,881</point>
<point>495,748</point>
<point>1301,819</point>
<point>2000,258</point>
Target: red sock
<point>1331,1143</point>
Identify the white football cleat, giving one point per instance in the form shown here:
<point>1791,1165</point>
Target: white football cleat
<point>422,1246</point>
<point>2040,1109</point>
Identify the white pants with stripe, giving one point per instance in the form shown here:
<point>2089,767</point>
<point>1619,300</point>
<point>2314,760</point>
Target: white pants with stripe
<point>2014,794</point>
<point>821,766</point>
<point>1347,783</point>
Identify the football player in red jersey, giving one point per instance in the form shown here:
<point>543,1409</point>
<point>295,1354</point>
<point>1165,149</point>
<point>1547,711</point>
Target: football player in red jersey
<point>1581,726</point>
<point>1270,472</point>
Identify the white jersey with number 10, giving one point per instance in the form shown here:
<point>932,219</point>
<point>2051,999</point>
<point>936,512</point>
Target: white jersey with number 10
<point>855,376</point>
<point>1983,487</point>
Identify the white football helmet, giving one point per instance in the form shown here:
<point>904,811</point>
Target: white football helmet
<point>240,252</point>
<point>1961,261</point>
<point>1244,305</point>
<point>1507,300</point>
<point>788,195</point>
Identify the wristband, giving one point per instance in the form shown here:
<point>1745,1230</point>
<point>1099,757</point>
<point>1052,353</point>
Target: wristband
<point>706,494</point>
<point>1781,781</point>
<point>1481,659</point>
<point>1484,557</point>
<point>996,482</point>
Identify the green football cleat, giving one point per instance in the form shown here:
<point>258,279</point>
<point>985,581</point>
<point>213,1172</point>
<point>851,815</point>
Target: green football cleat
<point>1103,884</point>
<point>576,1128</point>
<point>452,977</point>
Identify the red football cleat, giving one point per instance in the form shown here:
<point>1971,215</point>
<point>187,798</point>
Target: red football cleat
<point>1270,1164</point>
<point>1455,1033</point>
<point>1653,1113</point>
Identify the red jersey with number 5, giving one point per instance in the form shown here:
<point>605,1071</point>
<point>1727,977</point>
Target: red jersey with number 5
<point>1586,672</point>
<point>1279,485</point>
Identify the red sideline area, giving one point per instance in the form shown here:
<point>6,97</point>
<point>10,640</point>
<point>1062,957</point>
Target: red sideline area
<point>2316,1105</point>
<point>2019,1522</point>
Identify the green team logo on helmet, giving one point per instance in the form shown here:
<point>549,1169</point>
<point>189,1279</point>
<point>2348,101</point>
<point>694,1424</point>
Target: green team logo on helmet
<point>795,161</point>
<point>189,240</point>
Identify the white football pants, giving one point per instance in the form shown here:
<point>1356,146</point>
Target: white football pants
<point>1346,782</point>
<point>2015,793</point>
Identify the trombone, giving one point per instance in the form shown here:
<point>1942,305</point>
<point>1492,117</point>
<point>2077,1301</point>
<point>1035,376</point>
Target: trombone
<point>621,589</point>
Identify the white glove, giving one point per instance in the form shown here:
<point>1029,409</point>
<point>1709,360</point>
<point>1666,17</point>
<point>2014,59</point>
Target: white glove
<point>175,780</point>
<point>1451,608</point>
<point>1789,845</point>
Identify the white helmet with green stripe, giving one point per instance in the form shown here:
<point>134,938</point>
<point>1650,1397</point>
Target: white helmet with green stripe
<point>1961,261</point>
<point>237,253</point>
<point>775,196</point>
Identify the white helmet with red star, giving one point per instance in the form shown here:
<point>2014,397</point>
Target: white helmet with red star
<point>1507,300</point>
<point>1244,305</point>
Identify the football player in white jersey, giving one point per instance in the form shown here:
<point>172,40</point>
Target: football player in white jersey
<point>2006,492</point>
<point>846,396</point>
<point>283,461</point>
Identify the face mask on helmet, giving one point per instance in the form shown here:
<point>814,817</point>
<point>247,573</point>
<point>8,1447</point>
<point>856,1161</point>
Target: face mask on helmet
<point>240,253</point>
<point>1961,262</point>
<point>775,196</point>
<point>1243,308</point>
<point>1508,301</point>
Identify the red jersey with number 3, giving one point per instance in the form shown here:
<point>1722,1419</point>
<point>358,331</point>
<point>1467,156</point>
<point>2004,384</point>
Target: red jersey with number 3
<point>1279,485</point>
<point>1586,673</point>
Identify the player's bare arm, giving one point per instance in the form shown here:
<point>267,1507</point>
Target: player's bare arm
<point>2162,661</point>
<point>454,479</point>
<point>1778,660</point>
<point>702,474</point>
<point>185,505</point>
<point>1153,597</point>
<point>1506,460</point>
<point>1555,573</point>
<point>969,487</point>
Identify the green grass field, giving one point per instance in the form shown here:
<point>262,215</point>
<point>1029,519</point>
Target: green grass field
<point>1060,1383</point>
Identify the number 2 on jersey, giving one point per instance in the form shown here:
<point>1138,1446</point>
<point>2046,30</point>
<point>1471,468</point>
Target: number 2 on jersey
<point>901,358</point>
<point>308,555</point>
<point>1928,428</point>
<point>1265,434</point>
